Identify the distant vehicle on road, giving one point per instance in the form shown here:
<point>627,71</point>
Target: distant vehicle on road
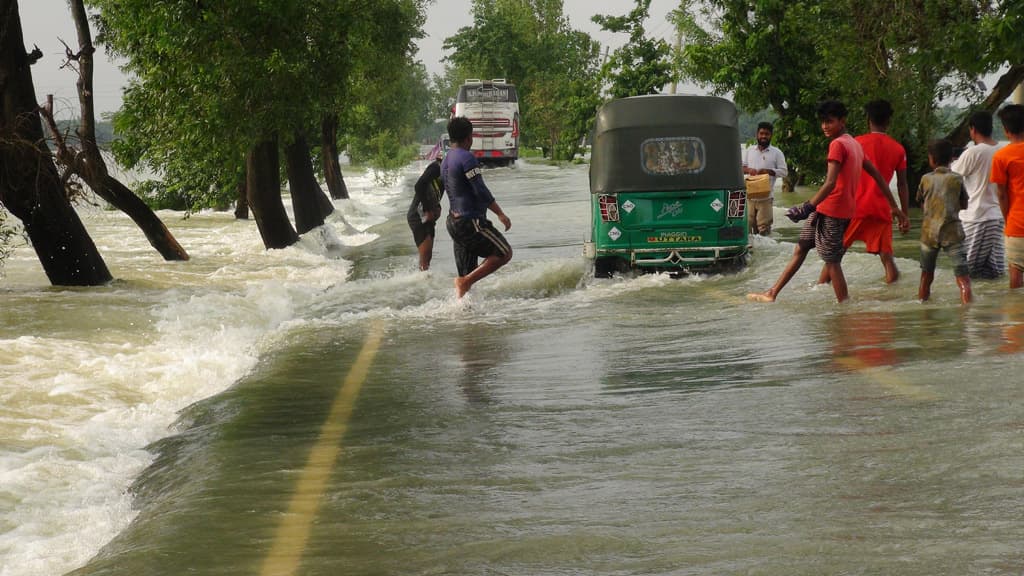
<point>667,189</point>
<point>493,108</point>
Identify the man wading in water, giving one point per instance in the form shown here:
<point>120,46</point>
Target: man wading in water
<point>471,231</point>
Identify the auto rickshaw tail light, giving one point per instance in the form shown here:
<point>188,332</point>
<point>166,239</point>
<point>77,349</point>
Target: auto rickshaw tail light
<point>609,208</point>
<point>737,204</point>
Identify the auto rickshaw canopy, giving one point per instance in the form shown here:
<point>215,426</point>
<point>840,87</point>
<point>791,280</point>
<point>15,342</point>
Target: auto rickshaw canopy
<point>666,142</point>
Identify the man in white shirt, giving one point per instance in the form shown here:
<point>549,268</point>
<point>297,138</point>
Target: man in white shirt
<point>982,220</point>
<point>763,159</point>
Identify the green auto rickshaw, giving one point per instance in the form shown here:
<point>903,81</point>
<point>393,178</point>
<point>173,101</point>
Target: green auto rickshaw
<point>666,186</point>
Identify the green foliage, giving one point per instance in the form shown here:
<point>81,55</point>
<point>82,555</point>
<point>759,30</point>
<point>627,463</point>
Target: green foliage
<point>212,78</point>
<point>161,195</point>
<point>642,65</point>
<point>530,43</point>
<point>787,56</point>
<point>384,152</point>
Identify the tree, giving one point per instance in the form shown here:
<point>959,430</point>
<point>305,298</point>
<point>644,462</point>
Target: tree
<point>1003,30</point>
<point>762,55</point>
<point>88,163</point>
<point>771,54</point>
<point>531,44</point>
<point>30,187</point>
<point>641,66</point>
<point>217,83</point>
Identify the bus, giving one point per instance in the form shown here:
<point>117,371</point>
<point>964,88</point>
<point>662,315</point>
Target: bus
<point>493,108</point>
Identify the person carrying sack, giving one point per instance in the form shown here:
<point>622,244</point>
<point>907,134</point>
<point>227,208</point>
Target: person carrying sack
<point>767,161</point>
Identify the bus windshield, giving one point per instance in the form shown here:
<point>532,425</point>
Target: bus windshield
<point>487,92</point>
<point>493,108</point>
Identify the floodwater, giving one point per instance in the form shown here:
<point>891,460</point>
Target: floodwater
<point>327,409</point>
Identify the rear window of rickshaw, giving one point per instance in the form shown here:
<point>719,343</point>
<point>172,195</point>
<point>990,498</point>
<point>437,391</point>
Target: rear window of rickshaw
<point>672,156</point>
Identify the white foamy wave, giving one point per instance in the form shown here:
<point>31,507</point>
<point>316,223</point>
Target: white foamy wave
<point>86,393</point>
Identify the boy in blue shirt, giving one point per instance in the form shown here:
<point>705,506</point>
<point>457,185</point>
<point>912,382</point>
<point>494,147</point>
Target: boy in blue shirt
<point>470,199</point>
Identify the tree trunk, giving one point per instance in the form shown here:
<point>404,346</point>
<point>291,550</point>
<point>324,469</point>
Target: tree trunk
<point>329,157</point>
<point>263,184</point>
<point>89,164</point>
<point>1000,92</point>
<point>309,202</point>
<point>242,205</point>
<point>30,187</point>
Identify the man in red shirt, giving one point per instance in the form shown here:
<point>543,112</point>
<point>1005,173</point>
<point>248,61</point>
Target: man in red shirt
<point>872,219</point>
<point>830,210</point>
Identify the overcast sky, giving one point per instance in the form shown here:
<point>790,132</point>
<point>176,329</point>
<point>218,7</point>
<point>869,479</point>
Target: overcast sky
<point>46,22</point>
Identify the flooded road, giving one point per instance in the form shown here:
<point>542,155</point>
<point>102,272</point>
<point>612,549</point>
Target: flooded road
<point>328,409</point>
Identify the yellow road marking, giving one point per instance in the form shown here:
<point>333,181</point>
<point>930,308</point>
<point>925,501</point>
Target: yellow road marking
<point>292,535</point>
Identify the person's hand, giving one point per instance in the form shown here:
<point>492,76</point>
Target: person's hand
<point>504,220</point>
<point>904,221</point>
<point>801,212</point>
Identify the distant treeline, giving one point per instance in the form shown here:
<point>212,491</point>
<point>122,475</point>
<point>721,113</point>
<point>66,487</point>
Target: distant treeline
<point>104,131</point>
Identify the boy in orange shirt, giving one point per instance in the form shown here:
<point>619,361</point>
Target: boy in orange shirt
<point>829,211</point>
<point>1008,176</point>
<point>872,220</point>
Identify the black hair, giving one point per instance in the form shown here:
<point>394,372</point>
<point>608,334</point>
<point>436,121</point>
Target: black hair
<point>981,121</point>
<point>459,129</point>
<point>1012,117</point>
<point>831,109</point>
<point>941,151</point>
<point>879,112</point>
<point>766,126</point>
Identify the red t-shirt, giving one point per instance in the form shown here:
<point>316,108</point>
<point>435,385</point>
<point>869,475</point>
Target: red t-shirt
<point>1008,170</point>
<point>888,156</point>
<point>842,202</point>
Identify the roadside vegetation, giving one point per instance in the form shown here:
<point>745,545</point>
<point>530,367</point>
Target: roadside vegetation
<point>231,100</point>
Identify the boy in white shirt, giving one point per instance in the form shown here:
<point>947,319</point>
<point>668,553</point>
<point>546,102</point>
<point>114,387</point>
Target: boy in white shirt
<point>982,220</point>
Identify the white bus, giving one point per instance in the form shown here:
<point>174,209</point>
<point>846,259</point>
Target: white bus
<point>493,108</point>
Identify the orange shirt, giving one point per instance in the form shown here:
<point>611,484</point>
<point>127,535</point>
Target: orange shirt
<point>888,156</point>
<point>841,203</point>
<point>1008,170</point>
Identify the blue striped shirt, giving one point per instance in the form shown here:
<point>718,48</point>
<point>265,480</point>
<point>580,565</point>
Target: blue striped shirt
<point>468,196</point>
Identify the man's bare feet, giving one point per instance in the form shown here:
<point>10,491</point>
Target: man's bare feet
<point>761,296</point>
<point>460,286</point>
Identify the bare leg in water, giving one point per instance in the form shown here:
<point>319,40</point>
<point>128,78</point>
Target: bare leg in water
<point>426,251</point>
<point>799,255</point>
<point>486,268</point>
<point>892,273</point>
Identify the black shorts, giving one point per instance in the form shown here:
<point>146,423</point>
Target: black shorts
<point>422,230</point>
<point>478,236</point>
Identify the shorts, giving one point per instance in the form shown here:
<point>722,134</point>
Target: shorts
<point>478,237</point>
<point>422,230</point>
<point>957,253</point>
<point>759,214</point>
<point>825,234</point>
<point>1015,252</point>
<point>874,233</point>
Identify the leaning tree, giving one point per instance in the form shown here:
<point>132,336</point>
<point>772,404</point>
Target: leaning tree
<point>30,187</point>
